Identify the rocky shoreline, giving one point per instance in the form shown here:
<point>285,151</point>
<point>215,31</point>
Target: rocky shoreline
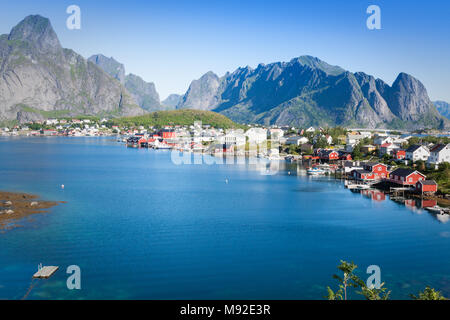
<point>15,207</point>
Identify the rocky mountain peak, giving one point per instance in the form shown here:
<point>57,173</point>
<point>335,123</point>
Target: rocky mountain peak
<point>308,91</point>
<point>202,93</point>
<point>39,79</point>
<point>408,98</point>
<point>209,75</point>
<point>37,31</point>
<point>316,63</point>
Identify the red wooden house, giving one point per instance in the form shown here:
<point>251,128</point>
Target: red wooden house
<point>328,155</point>
<point>345,156</point>
<point>371,172</point>
<point>426,186</point>
<point>168,134</point>
<point>406,177</point>
<point>399,154</point>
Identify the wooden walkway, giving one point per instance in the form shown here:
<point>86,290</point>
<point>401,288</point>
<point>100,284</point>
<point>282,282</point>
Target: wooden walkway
<point>45,272</point>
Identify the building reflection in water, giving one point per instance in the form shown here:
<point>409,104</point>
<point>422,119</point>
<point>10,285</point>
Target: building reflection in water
<point>417,206</point>
<point>374,195</point>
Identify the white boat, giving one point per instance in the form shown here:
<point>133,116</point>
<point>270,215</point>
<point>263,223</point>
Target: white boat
<point>435,209</point>
<point>315,171</point>
<point>162,146</point>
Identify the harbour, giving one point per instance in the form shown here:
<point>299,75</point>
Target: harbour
<point>291,229</point>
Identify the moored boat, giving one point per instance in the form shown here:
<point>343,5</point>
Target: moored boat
<point>315,171</point>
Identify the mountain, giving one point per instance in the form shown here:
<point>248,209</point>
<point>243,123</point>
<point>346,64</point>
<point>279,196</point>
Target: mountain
<point>110,66</point>
<point>40,79</point>
<point>172,101</point>
<point>202,93</point>
<point>307,91</point>
<point>144,93</point>
<point>443,108</point>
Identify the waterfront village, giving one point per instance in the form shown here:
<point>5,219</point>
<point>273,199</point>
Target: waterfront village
<point>401,162</point>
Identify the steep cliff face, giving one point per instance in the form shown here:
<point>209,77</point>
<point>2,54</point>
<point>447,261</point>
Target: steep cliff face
<point>202,93</point>
<point>144,93</point>
<point>39,78</point>
<point>307,91</point>
<point>443,108</point>
<point>110,66</point>
<point>408,99</point>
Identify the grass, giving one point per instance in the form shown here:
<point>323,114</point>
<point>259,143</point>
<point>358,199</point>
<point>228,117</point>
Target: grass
<point>47,114</point>
<point>183,117</point>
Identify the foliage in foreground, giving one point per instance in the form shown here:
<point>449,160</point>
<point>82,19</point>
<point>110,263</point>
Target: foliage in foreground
<point>429,294</point>
<point>350,280</point>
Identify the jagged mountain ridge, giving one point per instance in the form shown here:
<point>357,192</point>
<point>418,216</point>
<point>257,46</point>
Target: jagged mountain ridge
<point>110,66</point>
<point>40,79</point>
<point>307,91</point>
<point>144,93</point>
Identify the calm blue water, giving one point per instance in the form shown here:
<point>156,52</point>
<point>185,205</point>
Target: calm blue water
<point>141,227</point>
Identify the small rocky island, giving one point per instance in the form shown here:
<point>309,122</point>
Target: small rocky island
<point>15,207</point>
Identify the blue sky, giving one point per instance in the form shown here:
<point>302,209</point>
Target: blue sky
<point>173,42</point>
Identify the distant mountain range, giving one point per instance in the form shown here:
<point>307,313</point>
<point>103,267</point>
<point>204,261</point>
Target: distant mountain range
<point>443,108</point>
<point>307,91</point>
<point>40,79</point>
<point>172,100</point>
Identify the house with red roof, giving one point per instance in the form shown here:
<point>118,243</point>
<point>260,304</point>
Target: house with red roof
<point>399,154</point>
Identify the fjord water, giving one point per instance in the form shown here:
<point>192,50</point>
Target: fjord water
<point>141,227</point>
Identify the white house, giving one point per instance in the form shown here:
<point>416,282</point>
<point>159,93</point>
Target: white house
<point>311,129</point>
<point>439,153</point>
<point>297,140</point>
<point>388,148</point>
<point>276,133</point>
<point>417,152</point>
<point>366,134</point>
<point>234,137</point>
<point>401,140</point>
<point>380,140</point>
<point>256,135</point>
<point>349,166</point>
<point>351,141</point>
<point>51,122</point>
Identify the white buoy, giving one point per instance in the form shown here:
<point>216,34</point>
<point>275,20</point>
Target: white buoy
<point>289,173</point>
<point>62,186</point>
<point>226,181</point>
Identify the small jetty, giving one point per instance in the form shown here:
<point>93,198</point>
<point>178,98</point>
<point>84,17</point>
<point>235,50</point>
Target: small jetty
<point>45,272</point>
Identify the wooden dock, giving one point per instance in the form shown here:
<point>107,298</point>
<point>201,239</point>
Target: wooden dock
<point>45,272</point>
